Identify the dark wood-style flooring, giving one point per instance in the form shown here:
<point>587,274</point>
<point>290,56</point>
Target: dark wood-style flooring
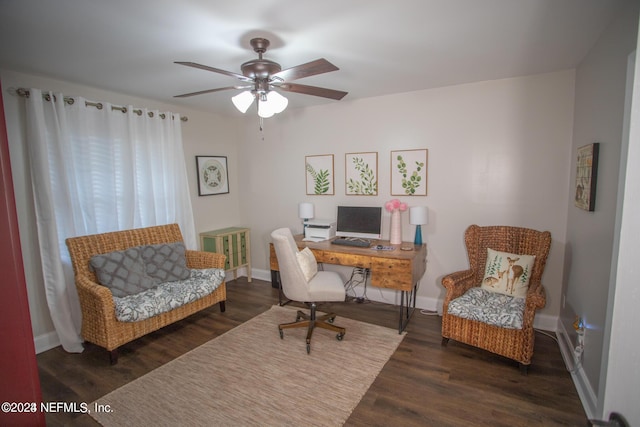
<point>423,384</point>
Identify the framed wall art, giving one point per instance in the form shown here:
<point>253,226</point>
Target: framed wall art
<point>409,173</point>
<point>319,174</point>
<point>586,176</point>
<point>361,174</point>
<point>213,175</point>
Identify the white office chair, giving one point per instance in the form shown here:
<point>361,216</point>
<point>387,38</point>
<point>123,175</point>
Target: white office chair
<point>323,286</point>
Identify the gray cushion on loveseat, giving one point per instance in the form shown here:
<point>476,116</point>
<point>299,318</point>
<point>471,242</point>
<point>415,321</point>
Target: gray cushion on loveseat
<point>123,272</point>
<point>165,262</point>
<point>168,296</point>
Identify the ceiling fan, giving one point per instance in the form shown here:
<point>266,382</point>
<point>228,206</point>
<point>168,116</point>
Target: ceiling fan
<point>263,77</point>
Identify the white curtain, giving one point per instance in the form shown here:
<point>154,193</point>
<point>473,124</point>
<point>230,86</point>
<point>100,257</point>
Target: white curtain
<point>97,170</point>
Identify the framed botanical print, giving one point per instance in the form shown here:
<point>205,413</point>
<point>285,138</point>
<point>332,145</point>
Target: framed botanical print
<point>409,173</point>
<point>213,175</point>
<point>361,174</point>
<point>319,174</point>
<point>586,174</point>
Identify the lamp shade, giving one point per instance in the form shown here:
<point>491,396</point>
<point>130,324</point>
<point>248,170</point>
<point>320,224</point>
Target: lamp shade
<point>271,103</point>
<point>265,109</point>
<point>305,210</point>
<point>243,100</point>
<point>278,101</point>
<point>418,215</point>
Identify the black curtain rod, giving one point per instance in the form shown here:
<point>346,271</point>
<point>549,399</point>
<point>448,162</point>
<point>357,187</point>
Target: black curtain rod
<point>69,100</point>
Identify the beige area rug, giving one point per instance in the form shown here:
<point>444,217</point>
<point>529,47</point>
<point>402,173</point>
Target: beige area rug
<point>250,377</point>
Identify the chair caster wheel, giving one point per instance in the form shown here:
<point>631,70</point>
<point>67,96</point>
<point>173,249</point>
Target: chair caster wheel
<point>281,333</point>
<point>340,336</point>
<point>308,348</point>
<point>331,319</point>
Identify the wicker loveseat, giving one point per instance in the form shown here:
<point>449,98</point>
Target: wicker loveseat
<point>516,344</point>
<point>99,323</point>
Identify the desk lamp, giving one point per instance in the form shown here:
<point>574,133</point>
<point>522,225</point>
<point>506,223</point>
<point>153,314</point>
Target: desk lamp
<point>305,213</point>
<point>418,215</point>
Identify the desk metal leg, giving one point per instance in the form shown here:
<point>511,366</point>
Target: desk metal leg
<point>277,283</point>
<point>407,307</point>
<point>275,279</point>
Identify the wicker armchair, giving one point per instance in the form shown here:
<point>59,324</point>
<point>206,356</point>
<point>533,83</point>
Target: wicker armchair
<point>99,323</point>
<point>516,344</point>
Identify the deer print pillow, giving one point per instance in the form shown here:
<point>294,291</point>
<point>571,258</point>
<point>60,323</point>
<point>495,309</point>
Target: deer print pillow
<point>507,273</point>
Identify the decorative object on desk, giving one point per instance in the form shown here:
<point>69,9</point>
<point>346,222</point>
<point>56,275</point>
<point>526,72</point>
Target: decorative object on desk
<point>382,248</point>
<point>361,174</point>
<point>418,215</point>
<point>213,175</point>
<point>305,213</point>
<point>586,174</point>
<point>409,173</point>
<point>396,208</point>
<point>319,174</point>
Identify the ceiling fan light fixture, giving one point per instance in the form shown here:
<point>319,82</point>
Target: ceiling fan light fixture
<point>243,101</point>
<point>265,108</point>
<point>271,103</point>
<point>263,76</point>
<point>278,101</point>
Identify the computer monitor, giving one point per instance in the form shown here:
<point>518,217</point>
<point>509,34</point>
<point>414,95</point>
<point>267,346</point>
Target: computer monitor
<point>359,221</point>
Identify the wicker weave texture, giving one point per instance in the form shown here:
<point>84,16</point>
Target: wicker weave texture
<point>516,344</point>
<point>99,324</point>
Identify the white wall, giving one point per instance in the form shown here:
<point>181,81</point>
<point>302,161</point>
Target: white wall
<point>203,134</point>
<point>499,153</point>
<point>622,354</point>
<point>599,116</point>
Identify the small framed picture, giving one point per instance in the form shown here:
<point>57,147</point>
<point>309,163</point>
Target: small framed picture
<point>409,173</point>
<point>319,174</point>
<point>586,176</point>
<point>361,174</point>
<point>213,175</point>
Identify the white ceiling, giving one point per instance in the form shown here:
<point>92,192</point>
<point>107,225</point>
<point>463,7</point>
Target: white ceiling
<point>380,46</point>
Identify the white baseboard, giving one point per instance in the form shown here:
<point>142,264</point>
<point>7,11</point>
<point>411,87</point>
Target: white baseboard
<point>260,274</point>
<point>46,341</point>
<point>546,322</point>
<point>583,386</point>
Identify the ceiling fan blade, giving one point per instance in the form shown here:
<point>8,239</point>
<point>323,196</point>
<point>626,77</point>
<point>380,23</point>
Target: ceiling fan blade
<point>312,90</point>
<point>215,70</point>
<point>202,92</point>
<point>319,66</point>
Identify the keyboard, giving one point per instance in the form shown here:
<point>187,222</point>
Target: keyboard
<point>348,241</point>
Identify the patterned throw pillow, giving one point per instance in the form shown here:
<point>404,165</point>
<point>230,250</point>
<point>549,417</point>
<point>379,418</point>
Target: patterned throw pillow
<point>166,262</point>
<point>507,273</point>
<point>308,263</point>
<point>122,272</point>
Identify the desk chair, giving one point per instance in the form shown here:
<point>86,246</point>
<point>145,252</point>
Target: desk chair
<point>302,282</point>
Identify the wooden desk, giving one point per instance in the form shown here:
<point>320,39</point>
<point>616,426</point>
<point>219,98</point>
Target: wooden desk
<point>397,269</point>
